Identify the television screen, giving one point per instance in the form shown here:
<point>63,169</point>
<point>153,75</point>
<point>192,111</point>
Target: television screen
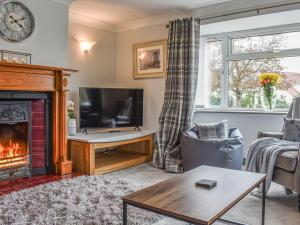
<point>110,107</point>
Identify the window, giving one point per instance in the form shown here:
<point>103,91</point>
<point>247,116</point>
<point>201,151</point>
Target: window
<point>232,62</point>
<point>214,69</point>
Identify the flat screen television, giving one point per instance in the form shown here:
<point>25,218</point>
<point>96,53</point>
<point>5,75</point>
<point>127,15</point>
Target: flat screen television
<point>110,107</point>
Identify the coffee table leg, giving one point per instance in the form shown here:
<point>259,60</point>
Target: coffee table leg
<point>263,203</point>
<point>124,213</point>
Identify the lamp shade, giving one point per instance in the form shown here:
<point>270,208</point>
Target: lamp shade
<point>86,45</point>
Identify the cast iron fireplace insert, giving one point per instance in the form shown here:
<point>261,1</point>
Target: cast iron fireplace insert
<point>15,139</point>
<point>26,133</point>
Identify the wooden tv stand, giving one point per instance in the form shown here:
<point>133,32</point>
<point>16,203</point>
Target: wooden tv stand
<point>123,150</point>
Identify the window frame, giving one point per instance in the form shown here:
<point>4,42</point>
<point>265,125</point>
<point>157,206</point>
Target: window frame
<point>228,55</point>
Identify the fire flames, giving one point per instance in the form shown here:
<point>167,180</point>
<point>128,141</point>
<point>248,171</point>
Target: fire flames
<point>10,151</point>
<point>12,155</point>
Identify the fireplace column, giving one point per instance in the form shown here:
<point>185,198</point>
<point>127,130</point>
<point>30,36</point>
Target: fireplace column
<point>62,164</point>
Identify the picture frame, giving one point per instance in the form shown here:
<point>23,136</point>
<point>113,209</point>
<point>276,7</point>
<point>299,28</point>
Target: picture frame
<point>15,57</point>
<point>150,59</point>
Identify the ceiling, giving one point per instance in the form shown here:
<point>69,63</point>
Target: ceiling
<point>116,12</point>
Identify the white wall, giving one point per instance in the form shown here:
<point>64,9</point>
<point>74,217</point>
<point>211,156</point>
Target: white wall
<point>242,9</point>
<point>268,20</point>
<point>49,42</point>
<point>97,67</point>
<point>154,87</point>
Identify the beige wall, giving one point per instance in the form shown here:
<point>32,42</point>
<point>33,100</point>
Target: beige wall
<point>153,88</point>
<point>97,67</point>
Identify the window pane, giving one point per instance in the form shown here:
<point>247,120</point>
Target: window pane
<point>244,86</point>
<point>267,43</point>
<point>214,72</point>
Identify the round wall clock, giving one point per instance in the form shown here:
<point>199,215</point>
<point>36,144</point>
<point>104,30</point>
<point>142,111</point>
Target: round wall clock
<point>16,21</point>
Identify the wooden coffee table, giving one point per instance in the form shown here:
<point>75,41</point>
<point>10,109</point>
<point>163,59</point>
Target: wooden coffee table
<point>179,198</point>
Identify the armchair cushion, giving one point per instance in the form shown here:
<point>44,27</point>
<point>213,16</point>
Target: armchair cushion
<point>287,160</point>
<point>292,129</point>
<point>278,135</point>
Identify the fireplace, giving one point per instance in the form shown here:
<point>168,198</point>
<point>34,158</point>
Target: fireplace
<point>25,134</point>
<point>15,139</point>
<point>43,123</point>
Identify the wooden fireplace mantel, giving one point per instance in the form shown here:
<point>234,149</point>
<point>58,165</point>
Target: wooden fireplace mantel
<point>23,77</point>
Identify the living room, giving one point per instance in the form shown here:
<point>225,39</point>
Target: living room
<point>176,110</point>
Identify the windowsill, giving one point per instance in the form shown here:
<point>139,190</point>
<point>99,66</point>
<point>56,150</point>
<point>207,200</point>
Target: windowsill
<point>241,111</point>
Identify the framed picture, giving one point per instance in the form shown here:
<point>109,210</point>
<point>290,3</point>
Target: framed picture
<point>150,59</point>
<point>15,57</point>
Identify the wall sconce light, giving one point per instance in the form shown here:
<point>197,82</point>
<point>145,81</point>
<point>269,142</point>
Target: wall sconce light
<point>86,45</point>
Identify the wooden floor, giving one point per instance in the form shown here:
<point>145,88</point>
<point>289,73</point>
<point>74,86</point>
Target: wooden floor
<point>107,162</point>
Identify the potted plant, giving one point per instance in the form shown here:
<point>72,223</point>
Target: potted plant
<point>72,118</point>
<point>268,95</point>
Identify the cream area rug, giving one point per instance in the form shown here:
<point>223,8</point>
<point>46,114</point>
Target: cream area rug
<point>81,200</point>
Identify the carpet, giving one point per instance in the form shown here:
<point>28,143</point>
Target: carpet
<point>280,209</point>
<point>81,200</point>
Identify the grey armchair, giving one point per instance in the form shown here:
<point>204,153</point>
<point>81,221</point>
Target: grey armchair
<point>226,153</point>
<point>287,166</point>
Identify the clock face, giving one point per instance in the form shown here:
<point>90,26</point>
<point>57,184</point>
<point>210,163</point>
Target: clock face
<point>16,21</point>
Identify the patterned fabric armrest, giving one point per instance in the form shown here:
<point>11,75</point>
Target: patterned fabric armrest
<point>262,134</point>
<point>297,175</point>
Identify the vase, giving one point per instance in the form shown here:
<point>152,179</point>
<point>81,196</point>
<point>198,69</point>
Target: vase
<point>72,127</point>
<point>268,97</point>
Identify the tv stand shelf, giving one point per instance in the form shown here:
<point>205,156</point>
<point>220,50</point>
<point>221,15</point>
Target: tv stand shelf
<point>130,148</point>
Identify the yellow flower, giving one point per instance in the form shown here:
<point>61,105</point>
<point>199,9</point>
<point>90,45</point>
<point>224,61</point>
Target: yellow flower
<point>269,79</point>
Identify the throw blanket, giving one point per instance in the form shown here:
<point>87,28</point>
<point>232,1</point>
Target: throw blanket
<point>262,155</point>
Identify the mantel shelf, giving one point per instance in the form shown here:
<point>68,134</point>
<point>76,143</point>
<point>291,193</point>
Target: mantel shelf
<point>37,67</point>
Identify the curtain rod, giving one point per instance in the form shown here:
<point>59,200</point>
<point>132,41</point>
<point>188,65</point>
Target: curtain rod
<point>246,11</point>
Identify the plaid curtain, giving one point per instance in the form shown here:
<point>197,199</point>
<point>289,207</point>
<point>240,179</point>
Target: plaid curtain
<point>181,84</point>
